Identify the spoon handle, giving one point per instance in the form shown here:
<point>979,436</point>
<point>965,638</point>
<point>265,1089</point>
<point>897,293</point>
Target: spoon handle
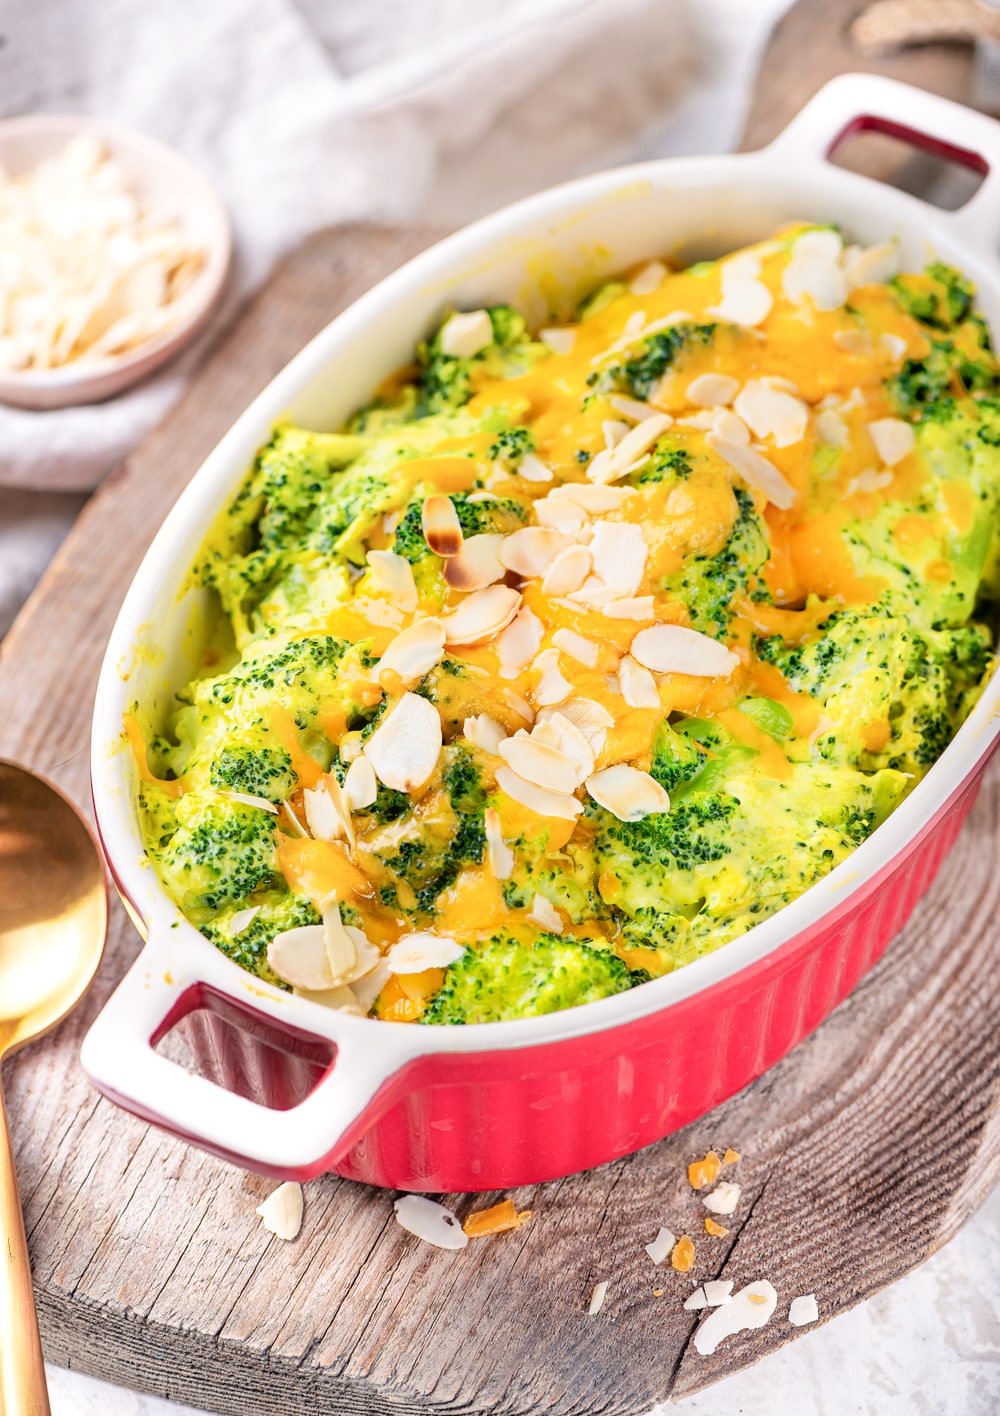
<point>22,1374</point>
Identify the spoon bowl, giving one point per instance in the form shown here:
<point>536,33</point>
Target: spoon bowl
<point>53,920</point>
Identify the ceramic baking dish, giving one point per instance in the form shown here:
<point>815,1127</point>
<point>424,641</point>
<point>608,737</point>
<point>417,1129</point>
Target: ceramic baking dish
<point>291,1089</point>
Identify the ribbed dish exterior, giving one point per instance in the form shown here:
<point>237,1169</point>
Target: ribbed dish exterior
<point>492,1120</point>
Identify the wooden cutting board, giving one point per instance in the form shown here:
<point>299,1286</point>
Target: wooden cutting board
<point>863,1152</point>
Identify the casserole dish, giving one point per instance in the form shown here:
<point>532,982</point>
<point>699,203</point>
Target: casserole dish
<point>291,1089</point>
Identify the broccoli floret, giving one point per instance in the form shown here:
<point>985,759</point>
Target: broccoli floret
<point>600,299</point>
<point>667,463</point>
<point>941,297</point>
<point>500,514</point>
<point>639,375</point>
<point>960,363</point>
<point>676,757</point>
<point>707,584</point>
<point>217,854</point>
<point>247,945</point>
<point>445,381</point>
<point>507,979</point>
<point>263,771</point>
<point>310,663</point>
<point>510,446</point>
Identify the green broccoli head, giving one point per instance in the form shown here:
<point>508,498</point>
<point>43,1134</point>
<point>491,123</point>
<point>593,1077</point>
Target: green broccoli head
<point>667,464</point>
<point>245,939</point>
<point>961,359</point>
<point>707,584</point>
<point>639,375</point>
<point>215,853</point>
<point>507,979</point>
<point>941,297</point>
<point>510,446</point>
<point>260,771</point>
<point>309,665</point>
<point>445,380</point>
<point>501,514</point>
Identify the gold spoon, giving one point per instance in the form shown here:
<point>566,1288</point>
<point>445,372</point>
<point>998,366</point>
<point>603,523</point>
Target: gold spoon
<point>53,919</point>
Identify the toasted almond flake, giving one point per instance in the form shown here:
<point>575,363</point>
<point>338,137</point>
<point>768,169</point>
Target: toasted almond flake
<point>481,615</point>
<point>551,687</point>
<point>537,799</point>
<point>484,731</point>
<point>568,571</point>
<point>298,956</point>
<point>556,730</point>
<point>441,526</point>
<point>724,1198</point>
<point>893,439</point>
<point>803,1310</point>
<point>627,792</point>
<point>560,341</point>
<point>638,607</point>
<point>592,592</point>
<point>771,412</point>
<point>869,481</point>
<point>533,469</point>
<point>341,948</point>
<point>584,651</point>
<point>704,419</point>
<point>817,278</point>
<point>519,704</point>
<point>538,762</point>
<point>248,799</point>
<point>872,265</point>
<point>465,335</point>
<point>543,912</point>
<point>619,553</point>
<point>498,853</point>
<point>327,814</point>
<point>592,719</point>
<point>632,446</point>
<point>559,513</point>
<point>648,280</point>
<point>430,1221</point>
<point>894,344</point>
<point>597,1298</point>
<point>531,551</point>
<point>634,409</point>
<point>718,1291</point>
<point>290,819</point>
<point>360,785</point>
<point>696,1301</point>
<point>745,301</point>
<point>595,500</point>
<point>281,1212</point>
<point>405,747</point>
<point>659,1249</point>
<point>495,1220</point>
<point>477,563</point>
<point>727,424</point>
<point>824,245</point>
<point>341,999</point>
<point>717,1231</point>
<point>367,988</point>
<point>637,684</point>
<point>415,650</point>
<point>731,1156</point>
<point>755,470</point>
<point>242,919</point>
<point>672,649</point>
<point>423,950</point>
<point>682,1257</point>
<point>832,429</point>
<point>614,429</point>
<point>704,1172</point>
<point>392,575</point>
<point>519,643</point>
<point>854,341</point>
<point>751,1308</point>
<point>711,390</point>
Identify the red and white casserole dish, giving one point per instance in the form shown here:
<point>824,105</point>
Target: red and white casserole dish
<point>291,1089</point>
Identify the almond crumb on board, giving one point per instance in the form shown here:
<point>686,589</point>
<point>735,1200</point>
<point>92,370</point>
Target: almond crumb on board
<point>803,1310</point>
<point>495,1220</point>
<point>704,1172</point>
<point>281,1212</point>
<point>731,1156</point>
<point>682,1258</point>
<point>597,1298</point>
<point>718,1231</point>
<point>657,1292</point>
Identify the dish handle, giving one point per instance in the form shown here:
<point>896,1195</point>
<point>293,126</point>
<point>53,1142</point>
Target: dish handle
<point>119,1055</point>
<point>858,103</point>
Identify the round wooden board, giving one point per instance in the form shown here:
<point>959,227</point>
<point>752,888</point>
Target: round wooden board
<point>863,1151</point>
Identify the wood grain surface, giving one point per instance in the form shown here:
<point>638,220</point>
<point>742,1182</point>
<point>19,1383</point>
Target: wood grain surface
<point>864,1151</point>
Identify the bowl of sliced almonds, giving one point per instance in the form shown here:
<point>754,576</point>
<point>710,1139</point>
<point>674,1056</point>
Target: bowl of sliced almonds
<point>114,250</point>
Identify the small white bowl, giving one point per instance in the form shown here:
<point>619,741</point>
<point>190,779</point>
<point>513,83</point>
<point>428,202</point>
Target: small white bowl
<point>165,183</point>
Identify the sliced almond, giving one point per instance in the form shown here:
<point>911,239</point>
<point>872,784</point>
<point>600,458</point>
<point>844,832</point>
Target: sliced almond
<point>755,469</point>
<point>632,446</point>
<point>695,1301</point>
<point>405,747</point>
<point>672,649</point>
<point>560,341</point>
<point>483,614</point>
<point>771,412</point>
<point>559,513</point>
<point>531,551</point>
<point>551,687</point>
<point>718,1291</point>
<point>627,792</point>
<point>485,732</point>
<point>832,429</point>
<point>894,344</point>
<point>441,526</point>
<point>498,854</point>
<point>543,912</point>
<point>634,607</point>
<point>637,684</point>
<point>341,999</point>
<point>327,817</point>
<point>659,1249</point>
<point>712,390</point>
<point>824,245</point>
<point>649,279</point>
<point>392,575</point>
<point>584,651</point>
<point>533,469</point>
<point>539,763</point>
<point>429,1221</point>
<point>466,335</point>
<point>815,278</point>
<point>415,650</point>
<point>360,784</point>
<point>869,481</point>
<point>242,919</point>
<point>854,341</point>
<point>614,429</point>
<point>538,799</point>
<point>724,1198</point>
<point>592,719</point>
<point>595,500</point>
<point>871,265</point>
<point>298,956</point>
<point>619,553</point>
<point>597,1298</point>
<point>341,949</point>
<point>477,563</point>
<point>423,950</point>
<point>367,988</point>
<point>560,732</point>
<point>893,439</point>
<point>568,571</point>
<point>282,1211</point>
<point>519,643</point>
<point>248,799</point>
<point>751,1307</point>
<point>803,1310</point>
<point>634,409</point>
<point>745,301</point>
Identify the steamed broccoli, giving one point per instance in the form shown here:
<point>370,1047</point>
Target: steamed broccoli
<point>707,584</point>
<point>309,664</point>
<point>264,771</point>
<point>666,464</point>
<point>218,853</point>
<point>510,446</point>
<point>247,944</point>
<point>941,297</point>
<point>962,361</point>
<point>640,374</point>
<point>445,380</point>
<point>501,514</point>
<point>507,979</point>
